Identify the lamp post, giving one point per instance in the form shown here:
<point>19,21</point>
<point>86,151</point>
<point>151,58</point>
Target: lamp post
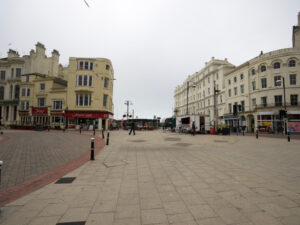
<point>284,102</point>
<point>216,91</point>
<point>127,102</point>
<point>187,96</point>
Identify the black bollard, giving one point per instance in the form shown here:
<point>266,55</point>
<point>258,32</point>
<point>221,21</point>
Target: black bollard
<point>289,138</point>
<point>256,134</point>
<point>107,139</point>
<point>92,148</point>
<point>102,133</point>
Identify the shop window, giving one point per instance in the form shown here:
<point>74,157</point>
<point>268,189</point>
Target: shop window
<point>41,102</point>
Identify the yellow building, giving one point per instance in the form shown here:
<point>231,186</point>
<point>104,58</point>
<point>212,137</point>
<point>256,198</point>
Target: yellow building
<point>89,93</point>
<point>42,100</point>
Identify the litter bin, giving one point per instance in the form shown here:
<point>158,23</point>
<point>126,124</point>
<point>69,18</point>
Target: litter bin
<point>212,131</point>
<point>1,163</point>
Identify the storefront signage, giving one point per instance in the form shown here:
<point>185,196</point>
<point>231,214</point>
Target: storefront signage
<point>9,103</point>
<point>23,113</point>
<point>57,112</point>
<point>39,111</point>
<point>86,115</point>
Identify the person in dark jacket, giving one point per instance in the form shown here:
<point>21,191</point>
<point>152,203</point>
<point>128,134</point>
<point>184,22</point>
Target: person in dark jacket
<point>193,128</point>
<point>132,128</point>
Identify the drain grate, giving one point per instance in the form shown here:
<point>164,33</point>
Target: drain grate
<point>65,180</point>
<point>172,139</point>
<point>183,144</point>
<point>72,223</point>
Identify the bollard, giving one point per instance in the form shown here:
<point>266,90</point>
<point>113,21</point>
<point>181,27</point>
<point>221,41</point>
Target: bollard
<point>102,133</point>
<point>1,163</point>
<point>256,134</point>
<point>289,138</point>
<point>92,148</point>
<point>107,139</point>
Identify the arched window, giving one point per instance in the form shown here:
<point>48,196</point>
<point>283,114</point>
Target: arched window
<point>276,65</point>
<point>1,93</point>
<point>253,71</point>
<point>292,63</point>
<point>263,68</point>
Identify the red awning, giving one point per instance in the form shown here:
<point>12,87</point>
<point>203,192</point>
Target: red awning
<point>39,111</point>
<point>87,114</point>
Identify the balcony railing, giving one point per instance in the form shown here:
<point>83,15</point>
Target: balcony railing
<point>278,104</point>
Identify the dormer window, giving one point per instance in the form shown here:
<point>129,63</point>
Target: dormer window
<point>276,65</point>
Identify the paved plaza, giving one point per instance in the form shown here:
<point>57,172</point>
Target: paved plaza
<point>27,154</point>
<point>162,178</point>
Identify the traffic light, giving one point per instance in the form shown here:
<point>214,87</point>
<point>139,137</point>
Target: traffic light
<point>282,113</point>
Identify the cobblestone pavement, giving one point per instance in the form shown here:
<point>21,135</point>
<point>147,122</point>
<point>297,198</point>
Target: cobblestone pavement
<point>27,154</point>
<point>165,178</point>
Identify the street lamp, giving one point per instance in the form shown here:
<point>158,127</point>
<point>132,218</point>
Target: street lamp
<point>216,91</point>
<point>127,102</point>
<point>284,102</point>
<point>187,96</point>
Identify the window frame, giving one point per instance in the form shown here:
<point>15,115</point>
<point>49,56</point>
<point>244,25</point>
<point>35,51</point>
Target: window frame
<point>293,81</point>
<point>40,101</point>
<point>263,84</point>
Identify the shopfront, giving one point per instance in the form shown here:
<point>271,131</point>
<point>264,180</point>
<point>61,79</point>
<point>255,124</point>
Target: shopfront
<point>57,119</point>
<point>293,124</point>
<point>86,120</point>
<point>40,116</point>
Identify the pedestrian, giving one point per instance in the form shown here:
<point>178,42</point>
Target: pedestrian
<point>180,126</point>
<point>193,128</point>
<point>132,128</point>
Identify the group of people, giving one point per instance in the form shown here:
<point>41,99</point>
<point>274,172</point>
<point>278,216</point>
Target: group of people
<point>193,130</point>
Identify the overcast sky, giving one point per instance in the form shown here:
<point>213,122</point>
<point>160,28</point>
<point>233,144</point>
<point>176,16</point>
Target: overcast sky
<point>153,44</point>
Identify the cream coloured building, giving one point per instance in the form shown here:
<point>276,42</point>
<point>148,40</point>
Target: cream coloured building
<point>256,90</point>
<point>11,69</point>
<point>90,92</point>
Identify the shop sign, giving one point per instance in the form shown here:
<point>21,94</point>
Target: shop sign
<point>57,112</point>
<point>23,113</point>
<point>86,115</point>
<point>293,126</point>
<point>9,103</point>
<point>39,111</point>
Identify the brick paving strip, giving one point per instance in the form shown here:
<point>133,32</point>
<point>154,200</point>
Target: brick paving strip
<point>36,183</point>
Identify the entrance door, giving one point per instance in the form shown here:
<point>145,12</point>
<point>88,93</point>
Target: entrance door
<point>103,124</point>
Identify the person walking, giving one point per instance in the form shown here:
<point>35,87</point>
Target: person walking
<point>193,128</point>
<point>132,129</point>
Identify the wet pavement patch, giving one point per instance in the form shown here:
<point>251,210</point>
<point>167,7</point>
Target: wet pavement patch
<point>65,180</point>
<point>172,139</point>
<point>136,140</point>
<point>183,144</point>
<point>72,223</point>
<point>220,141</point>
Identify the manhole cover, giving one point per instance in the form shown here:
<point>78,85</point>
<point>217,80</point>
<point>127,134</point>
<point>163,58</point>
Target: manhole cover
<point>172,139</point>
<point>65,180</point>
<point>220,141</point>
<point>136,140</point>
<point>183,144</point>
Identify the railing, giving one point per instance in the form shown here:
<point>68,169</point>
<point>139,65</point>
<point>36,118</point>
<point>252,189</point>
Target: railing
<point>278,104</point>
